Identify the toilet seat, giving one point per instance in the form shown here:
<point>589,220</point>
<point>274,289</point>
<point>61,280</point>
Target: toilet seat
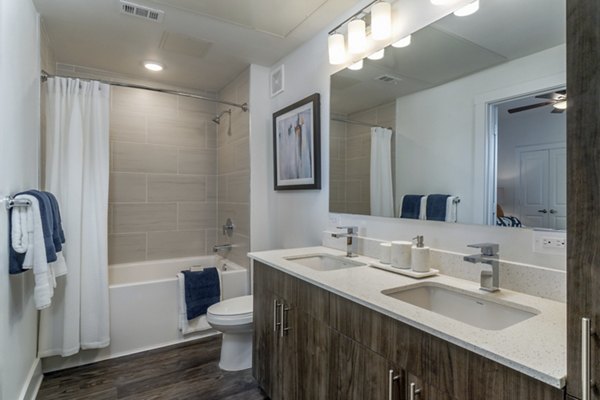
<point>235,311</point>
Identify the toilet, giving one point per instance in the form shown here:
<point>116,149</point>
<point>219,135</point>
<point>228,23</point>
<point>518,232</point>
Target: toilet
<point>233,317</point>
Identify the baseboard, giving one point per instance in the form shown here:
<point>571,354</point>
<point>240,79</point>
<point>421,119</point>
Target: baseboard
<point>33,382</point>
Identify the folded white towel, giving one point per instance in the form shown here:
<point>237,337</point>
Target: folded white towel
<point>423,210</point>
<point>59,267</point>
<point>22,233</point>
<point>451,209</point>
<point>199,323</point>
<point>43,277</point>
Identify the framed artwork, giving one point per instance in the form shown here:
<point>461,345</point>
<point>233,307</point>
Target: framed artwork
<point>297,145</point>
<point>277,83</point>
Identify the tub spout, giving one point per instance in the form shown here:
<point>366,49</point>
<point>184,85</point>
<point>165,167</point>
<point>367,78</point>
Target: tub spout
<point>220,247</point>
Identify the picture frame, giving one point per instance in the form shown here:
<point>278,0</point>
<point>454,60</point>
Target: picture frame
<point>297,145</point>
<point>277,80</point>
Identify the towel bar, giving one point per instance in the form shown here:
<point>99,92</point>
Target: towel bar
<point>456,200</point>
<point>10,202</point>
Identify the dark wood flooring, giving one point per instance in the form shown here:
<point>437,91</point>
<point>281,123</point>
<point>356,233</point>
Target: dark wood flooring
<point>181,372</point>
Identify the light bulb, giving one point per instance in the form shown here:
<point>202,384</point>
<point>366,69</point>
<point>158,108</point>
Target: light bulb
<point>381,21</point>
<point>378,55</point>
<point>561,105</point>
<point>337,49</point>
<point>357,37</point>
<point>469,9</point>
<point>405,41</point>
<point>356,66</point>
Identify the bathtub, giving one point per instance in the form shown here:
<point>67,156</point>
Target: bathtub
<point>144,308</point>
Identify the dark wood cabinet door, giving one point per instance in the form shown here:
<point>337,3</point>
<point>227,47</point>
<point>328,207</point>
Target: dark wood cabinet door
<point>313,349</point>
<point>287,372</point>
<point>583,188</point>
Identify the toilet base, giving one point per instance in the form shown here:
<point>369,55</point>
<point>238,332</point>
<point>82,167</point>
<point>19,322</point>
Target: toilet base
<point>236,351</point>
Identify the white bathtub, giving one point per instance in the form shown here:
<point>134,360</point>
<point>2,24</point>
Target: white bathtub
<point>144,308</point>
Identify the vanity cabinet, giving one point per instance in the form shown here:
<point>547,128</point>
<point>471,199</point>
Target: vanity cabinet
<point>337,349</point>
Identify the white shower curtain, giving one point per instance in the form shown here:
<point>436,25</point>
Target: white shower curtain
<point>77,167</point>
<point>382,200</point>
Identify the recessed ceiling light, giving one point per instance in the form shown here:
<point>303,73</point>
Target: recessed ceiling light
<point>153,66</point>
<point>469,9</point>
<point>356,66</point>
<point>378,55</point>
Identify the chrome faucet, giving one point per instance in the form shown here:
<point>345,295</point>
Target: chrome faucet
<point>350,234</point>
<point>490,280</point>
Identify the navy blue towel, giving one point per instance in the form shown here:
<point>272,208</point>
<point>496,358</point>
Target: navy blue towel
<point>47,216</point>
<point>57,234</point>
<point>411,206</point>
<point>436,207</point>
<point>202,290</point>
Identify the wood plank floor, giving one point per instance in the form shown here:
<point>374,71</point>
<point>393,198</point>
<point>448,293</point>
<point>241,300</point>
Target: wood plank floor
<point>182,372</point>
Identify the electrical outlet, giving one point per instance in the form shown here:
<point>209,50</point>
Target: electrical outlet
<point>554,243</point>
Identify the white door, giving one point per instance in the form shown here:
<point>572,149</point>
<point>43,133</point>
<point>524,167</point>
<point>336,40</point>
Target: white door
<point>532,189</point>
<point>541,192</point>
<point>557,200</point>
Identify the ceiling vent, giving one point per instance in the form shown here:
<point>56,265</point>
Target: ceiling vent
<point>388,79</point>
<point>136,10</point>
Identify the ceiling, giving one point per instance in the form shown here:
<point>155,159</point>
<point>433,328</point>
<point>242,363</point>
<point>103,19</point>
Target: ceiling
<point>454,47</point>
<point>203,44</point>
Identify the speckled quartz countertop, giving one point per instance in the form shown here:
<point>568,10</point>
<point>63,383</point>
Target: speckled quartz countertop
<point>535,347</point>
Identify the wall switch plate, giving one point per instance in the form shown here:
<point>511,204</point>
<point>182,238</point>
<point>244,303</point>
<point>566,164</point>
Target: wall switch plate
<point>549,242</point>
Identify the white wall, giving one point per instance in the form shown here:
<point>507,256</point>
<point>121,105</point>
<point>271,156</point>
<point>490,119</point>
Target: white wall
<point>534,127</point>
<point>19,155</point>
<point>437,136</point>
<point>297,218</point>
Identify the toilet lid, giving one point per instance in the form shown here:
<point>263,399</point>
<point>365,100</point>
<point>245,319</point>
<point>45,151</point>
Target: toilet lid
<point>234,306</point>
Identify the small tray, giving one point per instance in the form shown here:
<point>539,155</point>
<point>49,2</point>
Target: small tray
<point>406,272</point>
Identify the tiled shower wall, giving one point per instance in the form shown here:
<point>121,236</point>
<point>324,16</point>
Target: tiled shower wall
<point>350,152</point>
<point>163,176</point>
<point>234,169</point>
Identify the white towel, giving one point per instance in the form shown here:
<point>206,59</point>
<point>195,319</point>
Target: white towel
<point>44,280</point>
<point>59,267</point>
<point>22,233</point>
<point>451,209</point>
<point>199,323</point>
<point>423,210</point>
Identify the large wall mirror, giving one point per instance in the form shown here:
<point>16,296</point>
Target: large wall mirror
<point>466,124</point>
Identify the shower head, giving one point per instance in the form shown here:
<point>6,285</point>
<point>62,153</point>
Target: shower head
<point>217,119</point>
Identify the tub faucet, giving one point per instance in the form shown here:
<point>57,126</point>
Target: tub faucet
<point>219,247</point>
<point>490,280</point>
<point>350,234</point>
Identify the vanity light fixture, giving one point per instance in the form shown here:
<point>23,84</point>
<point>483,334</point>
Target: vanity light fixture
<point>153,66</point>
<point>357,36</point>
<point>469,9</point>
<point>561,105</point>
<point>378,55</point>
<point>381,21</point>
<point>356,66</point>
<point>337,49</point>
<point>404,42</point>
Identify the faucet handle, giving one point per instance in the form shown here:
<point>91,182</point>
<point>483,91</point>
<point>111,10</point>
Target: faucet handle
<point>349,229</point>
<point>487,249</point>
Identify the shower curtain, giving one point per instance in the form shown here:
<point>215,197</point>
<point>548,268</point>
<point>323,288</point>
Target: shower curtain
<point>382,199</point>
<point>77,167</point>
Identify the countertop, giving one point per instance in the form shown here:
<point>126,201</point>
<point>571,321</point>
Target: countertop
<point>535,347</point>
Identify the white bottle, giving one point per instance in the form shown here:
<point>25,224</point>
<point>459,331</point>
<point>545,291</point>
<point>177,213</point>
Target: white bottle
<point>401,254</point>
<point>419,256</point>
<point>385,253</point>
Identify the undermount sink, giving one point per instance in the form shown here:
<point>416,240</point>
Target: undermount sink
<point>459,305</point>
<point>324,262</point>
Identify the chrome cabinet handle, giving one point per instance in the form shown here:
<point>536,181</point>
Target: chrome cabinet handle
<point>585,359</point>
<point>284,328</point>
<point>391,380</point>
<point>553,211</point>
<point>414,392</point>
<point>276,324</point>
<point>543,211</point>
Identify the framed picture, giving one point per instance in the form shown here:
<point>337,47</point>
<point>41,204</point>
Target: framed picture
<point>277,81</point>
<point>297,145</point>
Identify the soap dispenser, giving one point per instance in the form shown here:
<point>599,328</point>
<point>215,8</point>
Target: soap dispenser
<point>419,255</point>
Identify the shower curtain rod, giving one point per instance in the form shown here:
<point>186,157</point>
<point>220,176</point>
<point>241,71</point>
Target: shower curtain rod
<point>354,122</point>
<point>244,106</point>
